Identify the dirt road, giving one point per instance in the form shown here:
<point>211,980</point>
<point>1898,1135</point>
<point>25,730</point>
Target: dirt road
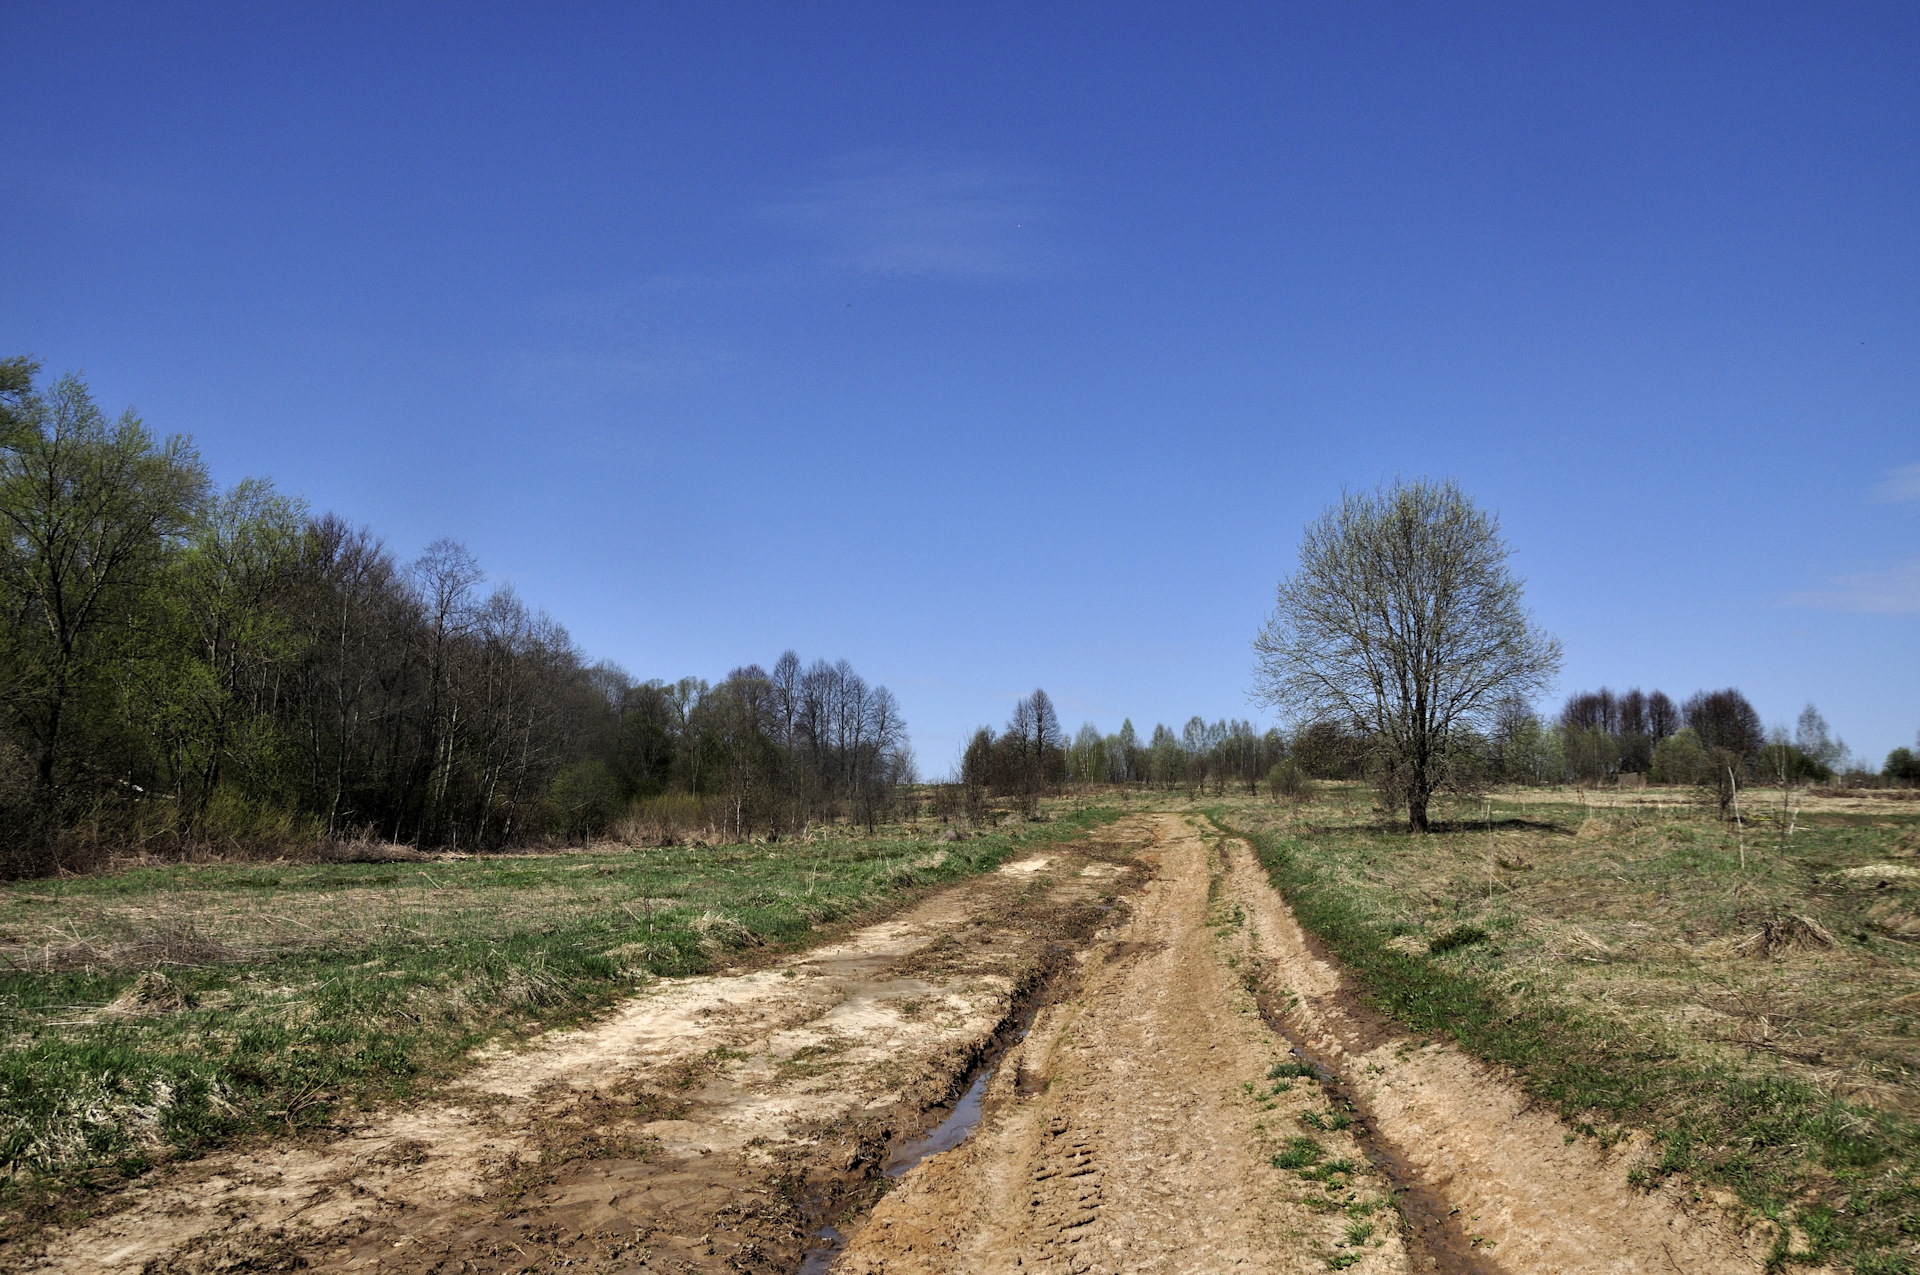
<point>1137,1127</point>
<point>1197,1091</point>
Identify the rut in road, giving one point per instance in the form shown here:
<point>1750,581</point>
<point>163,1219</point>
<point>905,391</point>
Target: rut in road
<point>1137,1129</point>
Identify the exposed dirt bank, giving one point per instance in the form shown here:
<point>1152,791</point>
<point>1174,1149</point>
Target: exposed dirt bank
<point>1520,1188</point>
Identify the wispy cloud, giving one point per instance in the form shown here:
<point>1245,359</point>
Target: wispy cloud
<point>954,220</point>
<point>1886,591</point>
<point>1898,484</point>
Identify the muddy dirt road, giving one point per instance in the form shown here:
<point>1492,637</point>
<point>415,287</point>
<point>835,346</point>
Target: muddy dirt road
<point>1166,1078</point>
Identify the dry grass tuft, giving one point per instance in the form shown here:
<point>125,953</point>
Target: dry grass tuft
<point>536,988</point>
<point>1583,946</point>
<point>152,994</point>
<point>718,932</point>
<point>1784,933</point>
<point>180,945</point>
<point>368,852</point>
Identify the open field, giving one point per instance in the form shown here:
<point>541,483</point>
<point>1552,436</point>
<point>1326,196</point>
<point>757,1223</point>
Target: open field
<point>157,1012</point>
<point>1755,1022</point>
<point>1402,1059</point>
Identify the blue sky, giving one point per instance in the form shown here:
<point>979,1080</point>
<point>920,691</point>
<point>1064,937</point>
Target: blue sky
<point>1000,346</point>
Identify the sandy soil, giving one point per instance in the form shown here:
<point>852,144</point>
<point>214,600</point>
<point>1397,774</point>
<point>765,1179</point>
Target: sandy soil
<point>717,1123</point>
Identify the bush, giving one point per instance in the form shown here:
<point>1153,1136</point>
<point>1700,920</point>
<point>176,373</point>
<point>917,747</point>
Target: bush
<point>585,797</point>
<point>1903,766</point>
<point>1286,781</point>
<point>664,819</point>
<point>1679,759</point>
<point>1785,762</point>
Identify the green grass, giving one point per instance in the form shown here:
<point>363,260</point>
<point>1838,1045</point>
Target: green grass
<point>1301,1153</point>
<point>294,991</point>
<point>1846,1173</point>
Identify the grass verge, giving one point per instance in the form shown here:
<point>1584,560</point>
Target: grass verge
<point>154,1013</point>
<point>1597,1036</point>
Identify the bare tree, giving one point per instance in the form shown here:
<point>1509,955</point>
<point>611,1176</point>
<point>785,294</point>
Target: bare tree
<point>1663,717</point>
<point>1725,719</point>
<point>1403,621</point>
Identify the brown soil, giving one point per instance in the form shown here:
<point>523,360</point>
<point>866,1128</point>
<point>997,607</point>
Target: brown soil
<point>717,1123</point>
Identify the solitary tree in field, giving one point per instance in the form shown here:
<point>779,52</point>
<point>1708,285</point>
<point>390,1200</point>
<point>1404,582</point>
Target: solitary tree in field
<point>1403,621</point>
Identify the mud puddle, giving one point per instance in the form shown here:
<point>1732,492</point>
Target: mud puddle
<point>946,1135</point>
<point>819,1261</point>
<point>964,1116</point>
<point>950,1123</point>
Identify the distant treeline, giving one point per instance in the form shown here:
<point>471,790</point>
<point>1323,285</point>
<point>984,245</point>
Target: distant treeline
<point>1714,738</point>
<point>1032,755</point>
<point>183,668</point>
<point>1601,735</point>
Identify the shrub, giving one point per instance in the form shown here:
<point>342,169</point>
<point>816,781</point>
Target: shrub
<point>1679,759</point>
<point>1286,781</point>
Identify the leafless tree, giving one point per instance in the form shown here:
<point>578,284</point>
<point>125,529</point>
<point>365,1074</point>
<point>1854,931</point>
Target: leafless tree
<point>1403,622</point>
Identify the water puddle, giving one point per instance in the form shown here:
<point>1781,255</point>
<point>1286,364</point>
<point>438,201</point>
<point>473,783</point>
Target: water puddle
<point>946,1135</point>
<point>818,1261</point>
<point>952,1129</point>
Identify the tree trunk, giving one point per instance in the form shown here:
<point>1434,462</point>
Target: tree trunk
<point>1419,793</point>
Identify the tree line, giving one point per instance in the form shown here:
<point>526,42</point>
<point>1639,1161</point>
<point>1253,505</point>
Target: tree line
<point>1711,739</point>
<point>186,667</point>
<point>1600,736</point>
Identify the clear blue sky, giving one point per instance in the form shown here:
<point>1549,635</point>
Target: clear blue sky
<point>1001,346</point>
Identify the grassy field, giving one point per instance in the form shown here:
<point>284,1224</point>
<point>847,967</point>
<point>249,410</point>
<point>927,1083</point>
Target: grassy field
<point>1756,1018</point>
<point>153,1012</point>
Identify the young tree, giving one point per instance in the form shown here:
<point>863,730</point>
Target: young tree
<point>1034,749</point>
<point>1404,621</point>
<point>1811,737</point>
<point>1663,717</point>
<point>1132,756</point>
<point>1903,765</point>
